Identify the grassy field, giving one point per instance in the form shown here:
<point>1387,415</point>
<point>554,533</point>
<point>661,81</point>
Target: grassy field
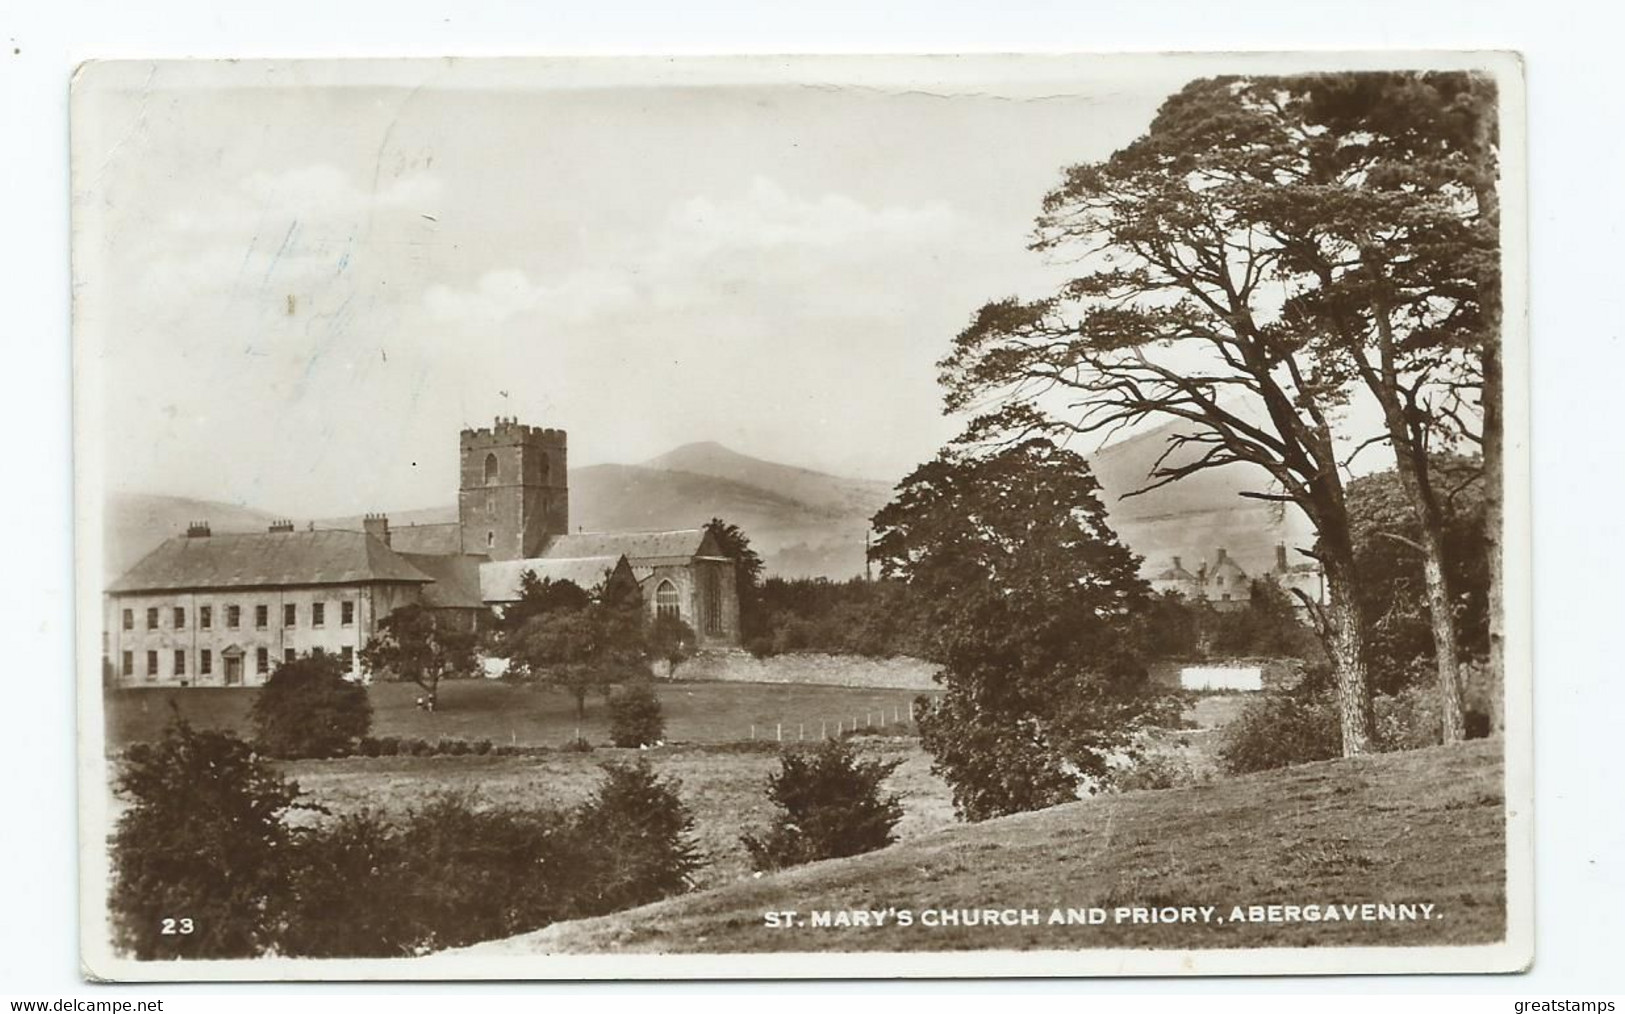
<point>723,786</point>
<point>535,716</point>
<point>1420,827</point>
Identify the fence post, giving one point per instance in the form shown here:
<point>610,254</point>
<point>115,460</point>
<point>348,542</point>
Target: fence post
<point>753,732</point>
<point>823,729</point>
<point>781,732</point>
<point>801,732</point>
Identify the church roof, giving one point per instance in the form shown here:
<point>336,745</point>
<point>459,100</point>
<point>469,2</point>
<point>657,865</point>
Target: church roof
<point>638,547</point>
<point>500,580</point>
<point>456,578</point>
<point>267,559</point>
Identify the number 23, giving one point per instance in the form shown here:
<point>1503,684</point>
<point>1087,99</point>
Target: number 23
<point>171,927</point>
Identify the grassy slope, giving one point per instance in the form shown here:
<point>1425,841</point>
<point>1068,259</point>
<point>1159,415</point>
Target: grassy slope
<point>502,713</point>
<point>1424,826</point>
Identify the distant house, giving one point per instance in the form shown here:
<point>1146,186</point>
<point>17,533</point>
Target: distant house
<point>1224,585</point>
<point>1227,585</point>
<point>1176,580</point>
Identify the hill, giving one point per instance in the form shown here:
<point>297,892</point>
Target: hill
<point>831,494</point>
<point>1197,515</point>
<point>1425,827</point>
<point>807,523</point>
<point>137,522</point>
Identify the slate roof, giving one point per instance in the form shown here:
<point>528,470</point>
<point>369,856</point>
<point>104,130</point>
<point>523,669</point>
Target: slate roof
<point>267,559</point>
<point>456,578</point>
<point>1178,573</point>
<point>439,539</point>
<point>499,581</point>
<point>638,547</point>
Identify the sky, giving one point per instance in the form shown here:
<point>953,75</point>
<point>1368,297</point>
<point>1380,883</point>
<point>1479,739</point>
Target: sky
<point>294,283</point>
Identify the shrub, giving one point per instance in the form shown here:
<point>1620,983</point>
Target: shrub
<point>635,717</point>
<point>1159,770</point>
<point>830,805</point>
<point>203,841</point>
<point>1279,730</point>
<point>462,874</point>
<point>637,837</point>
<point>308,709</point>
<point>482,747</point>
<point>577,745</point>
<point>347,891</point>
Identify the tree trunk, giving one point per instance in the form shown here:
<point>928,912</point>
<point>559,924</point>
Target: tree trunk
<point>581,706</point>
<point>1410,445</point>
<point>1418,486</point>
<point>1492,524</point>
<point>1344,636</point>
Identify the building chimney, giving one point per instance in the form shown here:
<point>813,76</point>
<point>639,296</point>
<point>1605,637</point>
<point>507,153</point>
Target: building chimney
<point>197,530</point>
<point>1221,559</point>
<point>1177,564</point>
<point>284,525</point>
<point>377,526</point>
<point>1280,557</point>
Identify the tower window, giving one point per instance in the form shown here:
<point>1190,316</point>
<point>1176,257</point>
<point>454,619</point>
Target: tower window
<point>490,539</point>
<point>490,469</point>
<point>666,600</point>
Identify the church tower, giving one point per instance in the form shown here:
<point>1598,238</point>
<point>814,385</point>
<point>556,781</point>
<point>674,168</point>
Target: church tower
<point>515,490</point>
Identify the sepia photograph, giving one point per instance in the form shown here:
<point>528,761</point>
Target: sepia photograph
<point>801,517</point>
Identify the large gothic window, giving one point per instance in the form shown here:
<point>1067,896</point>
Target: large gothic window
<point>490,469</point>
<point>666,601</point>
<point>713,601</point>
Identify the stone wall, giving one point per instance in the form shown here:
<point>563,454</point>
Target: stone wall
<point>810,668</point>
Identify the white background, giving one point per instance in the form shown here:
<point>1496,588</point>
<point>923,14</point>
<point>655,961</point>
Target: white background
<point>1576,169</point>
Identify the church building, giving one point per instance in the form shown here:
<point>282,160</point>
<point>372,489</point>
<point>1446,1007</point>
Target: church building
<point>220,610</point>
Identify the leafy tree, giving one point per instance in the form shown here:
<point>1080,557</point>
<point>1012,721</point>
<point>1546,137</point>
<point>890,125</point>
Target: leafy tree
<point>308,709</point>
<point>671,640</point>
<point>200,857</point>
<point>1388,203</point>
<point>1026,595</point>
<point>1395,593</point>
<point>539,595</point>
<point>829,804</point>
<point>583,651</point>
<point>1204,298</point>
<point>413,645</point>
<point>637,840</point>
<point>1267,625</point>
<point>635,717</point>
<point>735,545</point>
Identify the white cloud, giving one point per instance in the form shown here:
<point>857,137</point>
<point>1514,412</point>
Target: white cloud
<point>705,252</point>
